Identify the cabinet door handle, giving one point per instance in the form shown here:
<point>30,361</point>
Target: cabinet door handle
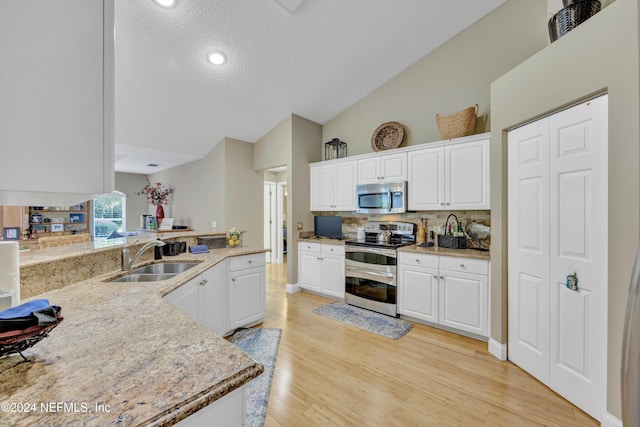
<point>462,266</point>
<point>442,277</point>
<point>205,280</point>
<point>448,203</point>
<point>435,276</point>
<point>250,261</point>
<point>418,261</point>
<point>441,203</point>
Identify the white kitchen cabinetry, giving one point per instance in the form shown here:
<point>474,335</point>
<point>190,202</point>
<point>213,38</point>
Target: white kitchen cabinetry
<point>463,294</point>
<point>450,177</point>
<point>203,298</point>
<point>229,410</point>
<point>418,286</point>
<point>321,268</point>
<point>382,168</point>
<point>56,108</point>
<point>246,291</point>
<point>448,291</point>
<point>333,186</point>
<point>229,295</point>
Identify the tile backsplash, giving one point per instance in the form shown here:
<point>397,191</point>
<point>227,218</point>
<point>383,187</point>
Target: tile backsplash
<point>351,220</point>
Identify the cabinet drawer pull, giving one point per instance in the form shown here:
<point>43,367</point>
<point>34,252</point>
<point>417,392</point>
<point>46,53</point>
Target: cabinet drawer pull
<point>250,261</point>
<point>462,266</point>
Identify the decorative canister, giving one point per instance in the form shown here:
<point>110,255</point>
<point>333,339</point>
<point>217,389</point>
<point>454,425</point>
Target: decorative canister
<point>234,238</point>
<point>36,218</point>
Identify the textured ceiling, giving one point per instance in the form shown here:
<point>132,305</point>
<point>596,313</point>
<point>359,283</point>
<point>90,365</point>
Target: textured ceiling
<point>314,58</point>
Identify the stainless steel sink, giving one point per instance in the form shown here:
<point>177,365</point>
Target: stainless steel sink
<point>156,272</point>
<point>165,268</point>
<point>144,277</point>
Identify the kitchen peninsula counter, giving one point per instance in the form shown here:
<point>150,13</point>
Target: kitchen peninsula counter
<point>123,356</point>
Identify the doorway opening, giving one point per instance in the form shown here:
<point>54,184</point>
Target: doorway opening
<point>275,215</point>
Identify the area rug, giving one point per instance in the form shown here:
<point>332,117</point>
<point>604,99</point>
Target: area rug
<point>377,323</point>
<point>261,344</point>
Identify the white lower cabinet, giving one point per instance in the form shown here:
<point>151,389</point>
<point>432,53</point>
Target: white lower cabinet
<point>229,295</point>
<point>321,268</point>
<point>246,291</point>
<point>447,291</point>
<point>418,286</point>
<point>203,298</point>
<point>229,410</point>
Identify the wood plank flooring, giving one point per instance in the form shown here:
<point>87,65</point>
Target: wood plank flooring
<point>332,374</point>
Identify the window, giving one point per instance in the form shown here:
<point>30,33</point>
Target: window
<point>109,214</point>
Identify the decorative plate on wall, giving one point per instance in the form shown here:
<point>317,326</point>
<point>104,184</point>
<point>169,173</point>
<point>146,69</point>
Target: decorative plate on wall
<point>387,136</point>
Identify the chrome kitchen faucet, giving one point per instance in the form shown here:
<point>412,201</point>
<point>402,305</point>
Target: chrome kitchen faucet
<point>127,262</point>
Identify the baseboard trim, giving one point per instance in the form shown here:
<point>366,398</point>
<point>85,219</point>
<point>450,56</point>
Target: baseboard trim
<point>609,420</point>
<point>292,289</point>
<point>497,349</point>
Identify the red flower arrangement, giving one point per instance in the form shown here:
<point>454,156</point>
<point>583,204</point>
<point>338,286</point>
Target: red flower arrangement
<point>156,194</point>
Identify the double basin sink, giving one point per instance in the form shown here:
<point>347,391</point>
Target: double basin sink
<point>156,272</point>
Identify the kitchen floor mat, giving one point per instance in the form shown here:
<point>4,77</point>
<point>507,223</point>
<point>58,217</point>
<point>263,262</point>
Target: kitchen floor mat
<point>371,321</point>
<point>262,344</point>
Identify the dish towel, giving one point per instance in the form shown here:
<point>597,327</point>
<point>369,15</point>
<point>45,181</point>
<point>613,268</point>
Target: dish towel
<point>199,249</point>
<point>33,313</point>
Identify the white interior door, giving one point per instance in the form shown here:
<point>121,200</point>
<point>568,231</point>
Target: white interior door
<point>269,220</point>
<point>528,239</point>
<point>578,205</point>
<point>557,219</point>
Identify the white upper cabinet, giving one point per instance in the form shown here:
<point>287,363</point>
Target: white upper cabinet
<point>333,186</point>
<point>56,107</point>
<point>450,177</point>
<point>383,168</point>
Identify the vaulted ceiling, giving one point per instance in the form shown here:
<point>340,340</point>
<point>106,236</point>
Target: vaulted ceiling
<point>314,58</point>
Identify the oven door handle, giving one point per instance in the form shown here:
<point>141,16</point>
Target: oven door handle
<point>386,278</point>
<point>372,250</point>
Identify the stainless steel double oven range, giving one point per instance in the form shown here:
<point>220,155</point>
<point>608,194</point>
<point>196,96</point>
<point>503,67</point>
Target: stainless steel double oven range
<point>371,265</point>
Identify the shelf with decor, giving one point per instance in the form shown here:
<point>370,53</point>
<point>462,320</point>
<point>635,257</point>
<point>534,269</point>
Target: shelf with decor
<point>45,221</point>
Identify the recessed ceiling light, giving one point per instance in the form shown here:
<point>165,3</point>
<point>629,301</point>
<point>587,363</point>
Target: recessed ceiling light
<point>166,3</point>
<point>216,57</point>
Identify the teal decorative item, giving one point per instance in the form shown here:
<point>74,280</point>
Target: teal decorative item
<point>572,281</point>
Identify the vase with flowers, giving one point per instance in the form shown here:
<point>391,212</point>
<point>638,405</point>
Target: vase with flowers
<point>157,195</point>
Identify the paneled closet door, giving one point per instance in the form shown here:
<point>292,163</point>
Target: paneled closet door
<point>528,239</point>
<point>578,221</point>
<point>558,227</point>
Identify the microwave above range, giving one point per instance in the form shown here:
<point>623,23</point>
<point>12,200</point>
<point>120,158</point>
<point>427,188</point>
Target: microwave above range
<point>383,198</point>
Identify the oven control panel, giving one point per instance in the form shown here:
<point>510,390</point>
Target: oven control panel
<point>406,228</point>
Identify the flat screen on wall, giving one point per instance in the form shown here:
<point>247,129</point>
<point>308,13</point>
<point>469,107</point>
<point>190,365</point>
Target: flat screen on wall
<point>327,226</point>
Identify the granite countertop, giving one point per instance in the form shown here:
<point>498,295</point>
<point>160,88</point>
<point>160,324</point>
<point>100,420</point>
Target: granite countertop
<point>40,256</point>
<point>123,356</point>
<point>464,253</point>
<point>323,240</point>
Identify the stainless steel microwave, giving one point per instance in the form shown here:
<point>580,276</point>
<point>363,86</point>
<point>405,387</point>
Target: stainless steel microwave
<point>383,198</point>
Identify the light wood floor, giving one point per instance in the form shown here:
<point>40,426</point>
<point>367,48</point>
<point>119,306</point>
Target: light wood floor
<point>332,374</point>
